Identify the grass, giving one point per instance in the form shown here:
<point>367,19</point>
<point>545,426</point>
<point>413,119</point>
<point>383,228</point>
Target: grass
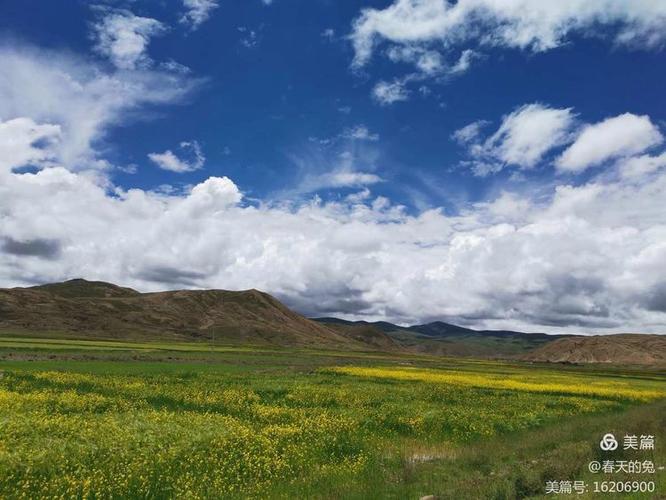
<point>89,419</point>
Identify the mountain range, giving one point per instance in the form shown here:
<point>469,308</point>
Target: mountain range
<point>451,340</point>
<point>94,309</point>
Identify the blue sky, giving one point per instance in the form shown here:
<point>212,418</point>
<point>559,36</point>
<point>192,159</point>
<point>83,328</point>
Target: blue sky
<point>345,114</point>
<point>260,105</point>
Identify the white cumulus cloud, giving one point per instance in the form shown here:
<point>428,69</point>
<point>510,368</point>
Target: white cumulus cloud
<point>528,133</point>
<point>24,142</point>
<point>432,34</point>
<point>386,93</point>
<point>522,24</point>
<point>622,135</point>
<point>511,262</point>
<point>522,139</point>
<point>640,166</point>
<point>124,37</point>
<point>584,256</point>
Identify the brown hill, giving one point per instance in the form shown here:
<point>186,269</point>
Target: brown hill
<point>87,309</point>
<point>628,349</point>
<point>368,335</point>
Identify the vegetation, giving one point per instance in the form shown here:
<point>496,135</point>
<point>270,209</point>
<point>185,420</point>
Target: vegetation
<point>101,419</point>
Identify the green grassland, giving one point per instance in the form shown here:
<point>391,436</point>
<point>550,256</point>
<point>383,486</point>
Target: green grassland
<point>102,419</point>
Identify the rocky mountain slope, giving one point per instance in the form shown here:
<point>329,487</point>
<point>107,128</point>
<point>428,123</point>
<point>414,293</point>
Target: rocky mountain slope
<point>626,349</point>
<point>87,309</point>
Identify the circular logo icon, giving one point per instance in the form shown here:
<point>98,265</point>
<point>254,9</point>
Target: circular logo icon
<point>608,442</point>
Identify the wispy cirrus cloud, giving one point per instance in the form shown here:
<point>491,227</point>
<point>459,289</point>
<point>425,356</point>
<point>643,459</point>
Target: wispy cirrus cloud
<point>337,169</point>
<point>67,104</point>
<point>197,12</point>
<point>192,160</point>
<point>359,133</point>
<point>429,64</point>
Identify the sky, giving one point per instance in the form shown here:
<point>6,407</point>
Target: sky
<point>495,164</point>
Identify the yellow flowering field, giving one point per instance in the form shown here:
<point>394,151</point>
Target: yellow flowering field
<point>273,425</point>
<point>545,383</point>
